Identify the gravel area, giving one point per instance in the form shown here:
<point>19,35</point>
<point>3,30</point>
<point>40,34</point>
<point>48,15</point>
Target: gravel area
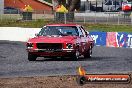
<point>54,82</point>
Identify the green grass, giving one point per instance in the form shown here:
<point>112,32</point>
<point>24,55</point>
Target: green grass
<point>30,24</point>
<point>90,27</point>
<point>108,28</point>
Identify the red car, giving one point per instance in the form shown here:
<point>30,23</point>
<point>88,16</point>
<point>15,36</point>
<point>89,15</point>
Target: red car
<point>60,40</point>
<point>126,6</point>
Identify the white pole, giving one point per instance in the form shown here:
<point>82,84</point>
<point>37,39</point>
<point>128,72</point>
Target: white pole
<point>118,18</point>
<point>0,15</point>
<point>65,18</point>
<point>131,19</point>
<point>95,17</point>
<point>84,18</point>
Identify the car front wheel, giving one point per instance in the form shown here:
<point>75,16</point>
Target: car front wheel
<point>76,55</point>
<point>31,57</point>
<point>88,54</point>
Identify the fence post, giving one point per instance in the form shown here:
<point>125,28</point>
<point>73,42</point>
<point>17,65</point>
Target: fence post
<point>95,17</point>
<point>10,15</point>
<point>74,18</point>
<point>108,18</point>
<point>0,15</point>
<point>18,13</point>
<point>35,16</point>
<point>43,14</point>
<point>54,16</point>
<point>131,19</point>
<point>118,18</point>
<point>65,18</point>
<point>84,18</point>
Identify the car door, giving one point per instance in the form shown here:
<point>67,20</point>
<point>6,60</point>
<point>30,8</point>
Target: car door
<point>86,38</point>
<point>83,39</point>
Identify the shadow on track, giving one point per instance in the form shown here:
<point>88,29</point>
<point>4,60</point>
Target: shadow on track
<point>41,59</point>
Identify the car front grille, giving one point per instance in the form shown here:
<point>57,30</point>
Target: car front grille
<point>49,46</point>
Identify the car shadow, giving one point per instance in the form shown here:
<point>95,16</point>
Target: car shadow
<point>54,59</point>
<point>70,59</point>
<point>96,58</point>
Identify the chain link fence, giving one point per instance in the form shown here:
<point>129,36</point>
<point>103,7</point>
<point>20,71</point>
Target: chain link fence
<point>76,17</point>
<point>18,15</point>
<point>104,17</point>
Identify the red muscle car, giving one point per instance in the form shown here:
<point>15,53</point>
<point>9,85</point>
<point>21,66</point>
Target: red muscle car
<point>60,40</point>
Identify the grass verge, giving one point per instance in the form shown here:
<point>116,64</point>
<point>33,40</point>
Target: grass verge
<point>88,26</point>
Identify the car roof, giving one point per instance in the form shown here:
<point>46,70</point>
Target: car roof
<point>62,25</point>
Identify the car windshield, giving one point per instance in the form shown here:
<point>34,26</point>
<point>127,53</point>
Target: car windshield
<point>58,30</point>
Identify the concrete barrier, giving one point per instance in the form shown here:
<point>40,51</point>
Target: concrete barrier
<point>109,39</point>
<point>17,33</point>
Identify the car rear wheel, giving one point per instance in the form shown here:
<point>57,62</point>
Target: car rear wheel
<point>88,54</point>
<point>31,57</point>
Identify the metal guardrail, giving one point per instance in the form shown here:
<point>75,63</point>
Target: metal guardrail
<point>104,17</point>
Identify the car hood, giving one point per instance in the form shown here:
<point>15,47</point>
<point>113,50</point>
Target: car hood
<point>52,39</point>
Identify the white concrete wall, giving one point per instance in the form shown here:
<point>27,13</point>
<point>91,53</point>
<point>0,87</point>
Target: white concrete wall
<point>1,6</point>
<point>17,33</point>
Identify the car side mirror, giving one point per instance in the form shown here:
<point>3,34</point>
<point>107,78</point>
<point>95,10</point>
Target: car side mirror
<point>87,33</point>
<point>81,35</point>
<point>36,34</point>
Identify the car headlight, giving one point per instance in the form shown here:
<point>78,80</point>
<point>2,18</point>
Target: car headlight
<point>69,45</point>
<point>30,45</point>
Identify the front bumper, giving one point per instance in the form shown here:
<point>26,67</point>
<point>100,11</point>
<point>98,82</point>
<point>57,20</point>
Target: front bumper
<point>50,52</point>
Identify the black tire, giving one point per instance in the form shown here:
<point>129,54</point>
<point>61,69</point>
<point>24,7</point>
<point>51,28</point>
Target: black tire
<point>76,55</point>
<point>31,57</point>
<point>81,80</point>
<point>88,54</point>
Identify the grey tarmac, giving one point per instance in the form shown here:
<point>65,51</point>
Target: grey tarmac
<point>14,62</point>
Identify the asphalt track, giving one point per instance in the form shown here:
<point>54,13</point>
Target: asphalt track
<point>14,63</point>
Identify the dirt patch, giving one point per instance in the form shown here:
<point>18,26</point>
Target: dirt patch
<point>53,82</point>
